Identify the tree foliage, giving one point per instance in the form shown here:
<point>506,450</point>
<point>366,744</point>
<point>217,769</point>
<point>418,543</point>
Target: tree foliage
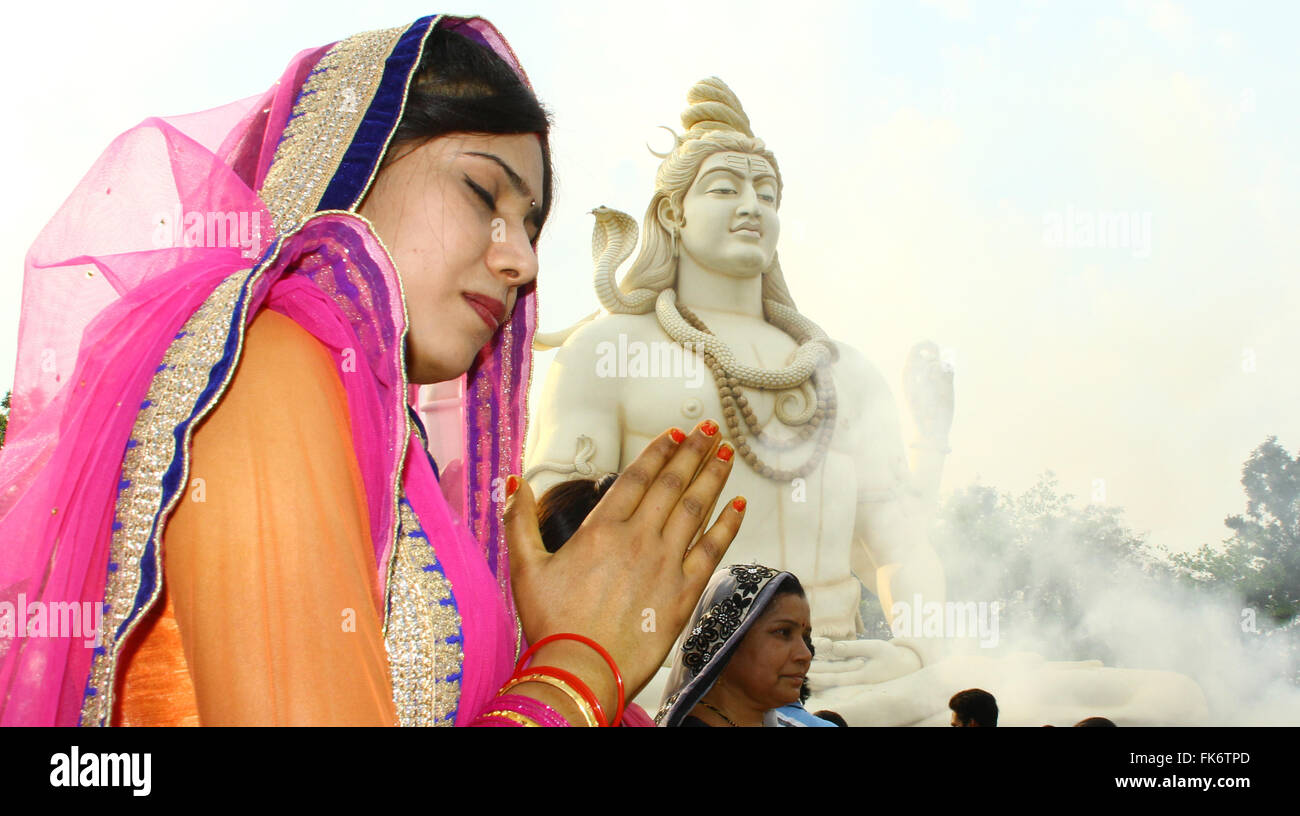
<point>1260,561</point>
<point>4,417</point>
<point>1041,555</point>
<point>1048,558</point>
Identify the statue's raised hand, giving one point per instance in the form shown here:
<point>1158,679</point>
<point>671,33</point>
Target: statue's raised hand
<point>927,385</point>
<point>633,572</point>
<point>859,662</point>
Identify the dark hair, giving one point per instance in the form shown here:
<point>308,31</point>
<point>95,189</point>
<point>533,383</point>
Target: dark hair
<point>975,705</point>
<point>463,87</point>
<point>790,586</point>
<point>831,716</point>
<point>563,508</point>
<point>1095,722</point>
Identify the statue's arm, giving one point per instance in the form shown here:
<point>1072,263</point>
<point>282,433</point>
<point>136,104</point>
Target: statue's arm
<point>576,422</point>
<point>928,387</point>
<point>892,553</point>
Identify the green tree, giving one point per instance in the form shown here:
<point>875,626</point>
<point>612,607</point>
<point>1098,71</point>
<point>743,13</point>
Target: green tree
<point>1049,560</point>
<point>1040,555</point>
<point>1260,561</point>
<point>4,417</point>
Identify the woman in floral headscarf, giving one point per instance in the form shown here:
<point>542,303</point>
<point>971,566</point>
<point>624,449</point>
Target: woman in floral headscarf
<point>212,455</point>
<point>744,654</point>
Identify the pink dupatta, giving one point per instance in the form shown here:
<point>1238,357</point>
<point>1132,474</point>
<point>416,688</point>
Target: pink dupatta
<point>135,302</point>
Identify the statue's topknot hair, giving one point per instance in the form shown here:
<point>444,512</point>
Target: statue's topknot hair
<point>713,106</point>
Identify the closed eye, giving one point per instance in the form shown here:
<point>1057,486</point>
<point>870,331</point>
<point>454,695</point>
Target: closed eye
<point>486,197</point>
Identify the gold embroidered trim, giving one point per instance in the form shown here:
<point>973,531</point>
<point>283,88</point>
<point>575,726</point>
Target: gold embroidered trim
<point>408,425</point>
<point>172,396</point>
<point>422,631</point>
<point>514,716</point>
<point>330,108</point>
<point>505,442</point>
<point>399,398</point>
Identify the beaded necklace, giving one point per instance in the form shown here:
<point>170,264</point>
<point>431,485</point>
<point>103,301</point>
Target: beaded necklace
<point>817,418</point>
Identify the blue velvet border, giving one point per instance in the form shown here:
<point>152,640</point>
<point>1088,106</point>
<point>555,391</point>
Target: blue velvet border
<point>171,480</point>
<point>424,436</point>
<point>345,188</point>
<point>362,157</point>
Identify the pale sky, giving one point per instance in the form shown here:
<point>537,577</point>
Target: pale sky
<point>928,151</point>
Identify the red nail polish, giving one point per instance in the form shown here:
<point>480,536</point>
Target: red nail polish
<point>739,504</point>
<point>677,435</point>
<point>512,484</point>
<point>709,427</point>
<point>725,452</point>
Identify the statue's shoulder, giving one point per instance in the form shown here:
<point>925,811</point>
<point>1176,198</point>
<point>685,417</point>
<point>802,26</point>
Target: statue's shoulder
<point>609,328</point>
<point>854,371</point>
<point>581,361</point>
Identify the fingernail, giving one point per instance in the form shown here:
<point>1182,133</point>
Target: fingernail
<point>708,427</point>
<point>677,435</point>
<point>512,484</point>
<point>725,452</point>
<point>739,504</point>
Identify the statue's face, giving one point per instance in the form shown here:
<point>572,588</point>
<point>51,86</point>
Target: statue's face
<point>731,224</point>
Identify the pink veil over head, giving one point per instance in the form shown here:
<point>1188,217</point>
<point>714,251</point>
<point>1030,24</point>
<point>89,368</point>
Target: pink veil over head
<point>171,212</point>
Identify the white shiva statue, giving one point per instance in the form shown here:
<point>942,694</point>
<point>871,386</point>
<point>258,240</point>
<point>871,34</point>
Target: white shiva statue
<point>703,327</point>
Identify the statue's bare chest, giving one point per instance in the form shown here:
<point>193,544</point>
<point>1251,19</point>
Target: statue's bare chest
<point>663,382</point>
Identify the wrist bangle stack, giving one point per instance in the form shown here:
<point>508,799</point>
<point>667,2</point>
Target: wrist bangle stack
<point>579,686</point>
<point>573,688</point>
<point>515,710</point>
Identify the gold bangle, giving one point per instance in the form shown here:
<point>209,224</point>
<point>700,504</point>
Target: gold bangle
<point>514,716</point>
<point>588,713</point>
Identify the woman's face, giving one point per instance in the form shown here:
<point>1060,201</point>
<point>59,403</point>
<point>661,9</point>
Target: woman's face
<point>771,662</point>
<point>730,224</point>
<point>459,214</point>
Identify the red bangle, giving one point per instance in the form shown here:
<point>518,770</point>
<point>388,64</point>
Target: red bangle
<point>618,678</point>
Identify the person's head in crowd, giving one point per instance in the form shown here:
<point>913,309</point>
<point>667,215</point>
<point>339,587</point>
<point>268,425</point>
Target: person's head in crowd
<point>745,652</point>
<point>974,708</point>
<point>560,512</point>
<point>831,716</point>
<point>1095,722</point>
<point>562,508</point>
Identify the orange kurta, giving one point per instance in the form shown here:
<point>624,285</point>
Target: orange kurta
<point>271,611</point>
